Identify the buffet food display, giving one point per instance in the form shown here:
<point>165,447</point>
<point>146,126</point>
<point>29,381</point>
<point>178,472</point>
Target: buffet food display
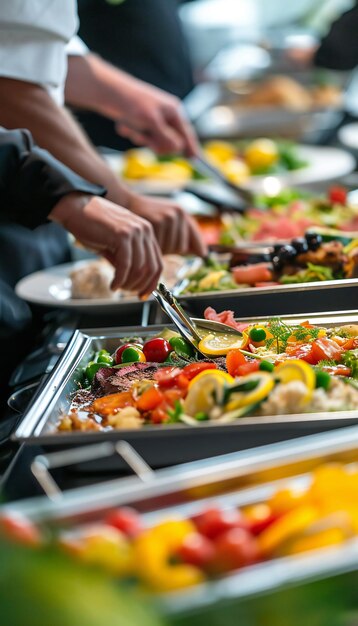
<point>237,160</point>
<point>265,369</point>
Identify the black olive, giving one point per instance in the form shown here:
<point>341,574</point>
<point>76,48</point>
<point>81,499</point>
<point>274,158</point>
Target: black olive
<point>314,240</point>
<point>287,253</point>
<point>276,249</point>
<point>300,245</point>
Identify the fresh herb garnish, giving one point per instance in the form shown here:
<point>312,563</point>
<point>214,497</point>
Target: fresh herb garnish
<point>174,414</point>
<point>282,332</point>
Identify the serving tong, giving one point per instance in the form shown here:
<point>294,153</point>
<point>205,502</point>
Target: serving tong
<point>188,327</point>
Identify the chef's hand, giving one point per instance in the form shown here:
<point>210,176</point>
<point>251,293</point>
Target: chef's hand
<point>123,238</point>
<point>154,118</point>
<point>175,230</point>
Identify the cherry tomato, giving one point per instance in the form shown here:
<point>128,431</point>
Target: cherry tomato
<point>125,519</point>
<point>197,550</point>
<point>234,359</point>
<point>18,528</point>
<point>337,195</point>
<point>248,368</point>
<point>118,353</point>
<point>234,549</point>
<point>157,350</point>
<point>167,376</point>
<point>193,369</point>
<point>213,522</point>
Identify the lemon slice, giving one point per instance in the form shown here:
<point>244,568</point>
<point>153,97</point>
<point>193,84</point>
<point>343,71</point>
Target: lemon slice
<point>219,344</point>
<point>243,398</point>
<point>295,369</point>
<point>218,374</point>
<point>205,392</point>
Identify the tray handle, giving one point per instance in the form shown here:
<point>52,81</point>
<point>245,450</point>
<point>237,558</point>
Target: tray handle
<point>42,464</point>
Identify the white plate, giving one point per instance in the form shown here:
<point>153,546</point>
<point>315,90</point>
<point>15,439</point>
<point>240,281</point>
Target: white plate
<point>324,163</point>
<point>348,135</point>
<point>52,287</point>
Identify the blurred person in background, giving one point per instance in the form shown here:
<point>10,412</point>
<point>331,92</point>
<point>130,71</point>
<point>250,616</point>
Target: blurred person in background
<point>33,73</point>
<point>141,37</point>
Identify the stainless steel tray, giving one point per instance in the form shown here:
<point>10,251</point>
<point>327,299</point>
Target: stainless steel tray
<point>164,445</point>
<point>232,480</point>
<point>277,300</point>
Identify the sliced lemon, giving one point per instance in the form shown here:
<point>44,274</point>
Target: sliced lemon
<point>205,392</point>
<point>218,374</point>
<point>219,344</point>
<point>295,369</point>
<point>211,280</point>
<point>243,398</point>
<point>261,153</point>
<point>220,150</point>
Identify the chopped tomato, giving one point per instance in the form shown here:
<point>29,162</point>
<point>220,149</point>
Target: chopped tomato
<point>248,368</point>
<point>172,395</point>
<point>213,522</point>
<point>159,416</point>
<point>234,359</point>
<point>326,349</point>
<point>182,382</point>
<point>234,549</point>
<point>337,370</point>
<point>166,376</point>
<point>337,195</point>
<point>150,399</point>
<point>197,550</point>
<point>193,369</point>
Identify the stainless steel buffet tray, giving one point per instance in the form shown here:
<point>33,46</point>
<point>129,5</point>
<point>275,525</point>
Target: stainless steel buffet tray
<point>278,299</point>
<point>167,444</point>
<point>237,479</point>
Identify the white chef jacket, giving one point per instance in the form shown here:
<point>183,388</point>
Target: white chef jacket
<point>35,38</point>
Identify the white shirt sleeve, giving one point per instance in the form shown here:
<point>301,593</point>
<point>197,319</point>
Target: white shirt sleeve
<point>33,38</point>
<point>76,47</point>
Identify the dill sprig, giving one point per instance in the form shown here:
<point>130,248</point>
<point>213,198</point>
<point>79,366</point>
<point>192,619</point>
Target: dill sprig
<point>282,332</point>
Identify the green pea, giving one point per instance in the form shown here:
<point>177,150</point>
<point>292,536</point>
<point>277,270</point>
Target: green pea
<point>266,366</point>
<point>323,379</point>
<point>257,334</point>
<point>130,355</point>
<point>181,347</point>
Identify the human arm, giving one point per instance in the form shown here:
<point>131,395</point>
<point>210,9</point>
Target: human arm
<point>143,113</point>
<point>35,187</point>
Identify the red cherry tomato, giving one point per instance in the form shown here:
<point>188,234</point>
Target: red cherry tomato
<point>159,415</point>
<point>248,368</point>
<point>157,350</point>
<point>197,550</point>
<point>18,528</point>
<point>234,549</point>
<point>234,359</point>
<point>126,520</point>
<point>213,522</point>
<point>118,353</point>
<point>167,376</point>
<point>193,369</point>
<point>337,195</point>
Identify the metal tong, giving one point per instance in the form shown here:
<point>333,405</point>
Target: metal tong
<point>188,327</point>
<point>245,195</point>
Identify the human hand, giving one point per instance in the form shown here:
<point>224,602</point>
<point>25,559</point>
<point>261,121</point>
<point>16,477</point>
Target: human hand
<point>123,238</point>
<point>175,230</point>
<point>151,117</point>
